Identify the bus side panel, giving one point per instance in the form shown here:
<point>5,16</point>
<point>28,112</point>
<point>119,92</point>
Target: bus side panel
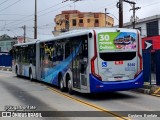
<point>97,86</point>
<point>13,67</point>
<point>50,75</point>
<point>25,70</point>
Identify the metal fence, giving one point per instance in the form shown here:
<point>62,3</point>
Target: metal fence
<point>151,67</point>
<point>5,60</point>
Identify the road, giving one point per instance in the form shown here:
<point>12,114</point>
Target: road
<point>22,92</point>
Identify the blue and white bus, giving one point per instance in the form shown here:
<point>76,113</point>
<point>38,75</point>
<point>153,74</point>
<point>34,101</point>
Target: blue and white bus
<point>88,60</point>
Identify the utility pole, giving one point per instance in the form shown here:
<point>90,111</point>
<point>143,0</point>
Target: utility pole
<point>134,16</point>
<point>35,21</point>
<point>105,16</point>
<point>120,6</point>
<point>24,28</point>
<point>134,11</point>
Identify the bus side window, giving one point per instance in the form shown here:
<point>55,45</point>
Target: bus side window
<point>32,54</point>
<point>54,56</point>
<point>67,49</point>
<point>59,53</point>
<point>85,48</point>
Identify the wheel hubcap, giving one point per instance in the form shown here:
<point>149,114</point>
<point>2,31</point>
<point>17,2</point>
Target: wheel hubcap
<point>31,76</point>
<point>69,85</point>
<point>61,84</point>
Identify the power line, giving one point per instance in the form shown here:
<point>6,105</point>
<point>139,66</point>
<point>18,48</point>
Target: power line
<point>10,20</point>
<point>54,10</point>
<point>33,14</point>
<point>141,6</point>
<point>43,14</point>
<point>10,5</point>
<point>3,2</point>
<point>49,7</point>
<point>14,15</point>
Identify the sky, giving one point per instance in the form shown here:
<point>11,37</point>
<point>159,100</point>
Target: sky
<point>16,13</point>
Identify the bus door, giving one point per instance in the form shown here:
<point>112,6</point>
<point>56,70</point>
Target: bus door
<point>83,64</point>
<point>80,64</point>
<point>76,66</point>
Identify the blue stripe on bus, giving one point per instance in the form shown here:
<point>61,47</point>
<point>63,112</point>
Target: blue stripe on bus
<point>97,86</point>
<point>50,76</point>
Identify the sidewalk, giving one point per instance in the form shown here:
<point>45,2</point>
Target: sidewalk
<point>149,89</point>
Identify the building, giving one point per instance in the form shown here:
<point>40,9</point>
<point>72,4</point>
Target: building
<point>150,33</point>
<point>74,19</point>
<point>20,39</point>
<point>148,26</point>
<point>6,43</point>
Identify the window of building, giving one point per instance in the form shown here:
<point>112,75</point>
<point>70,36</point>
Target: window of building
<point>74,22</point>
<point>67,17</point>
<point>96,15</point>
<point>88,20</point>
<point>152,29</point>
<point>96,21</point>
<point>80,20</point>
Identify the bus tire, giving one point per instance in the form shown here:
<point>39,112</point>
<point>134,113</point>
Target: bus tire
<point>17,71</point>
<point>61,84</point>
<point>30,75</point>
<point>69,86</point>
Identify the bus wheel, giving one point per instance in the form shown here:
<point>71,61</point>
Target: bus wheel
<point>69,85</point>
<point>61,85</point>
<point>16,71</point>
<point>30,75</point>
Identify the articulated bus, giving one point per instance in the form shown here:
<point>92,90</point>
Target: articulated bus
<point>87,60</point>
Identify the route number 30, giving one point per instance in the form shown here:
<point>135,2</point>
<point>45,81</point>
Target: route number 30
<point>104,37</point>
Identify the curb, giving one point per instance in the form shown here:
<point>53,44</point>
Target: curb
<point>6,68</point>
<point>149,89</point>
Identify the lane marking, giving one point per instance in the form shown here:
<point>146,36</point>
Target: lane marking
<point>119,117</point>
<point>156,95</point>
<point>157,91</point>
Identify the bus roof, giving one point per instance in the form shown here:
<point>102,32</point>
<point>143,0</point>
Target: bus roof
<point>74,33</point>
<point>27,43</point>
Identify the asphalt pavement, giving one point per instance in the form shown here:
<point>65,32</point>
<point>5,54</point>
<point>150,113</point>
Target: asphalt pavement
<point>146,89</point>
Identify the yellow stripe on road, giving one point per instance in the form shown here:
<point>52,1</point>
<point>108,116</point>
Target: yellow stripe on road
<point>119,117</point>
<point>157,91</point>
<point>156,95</point>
